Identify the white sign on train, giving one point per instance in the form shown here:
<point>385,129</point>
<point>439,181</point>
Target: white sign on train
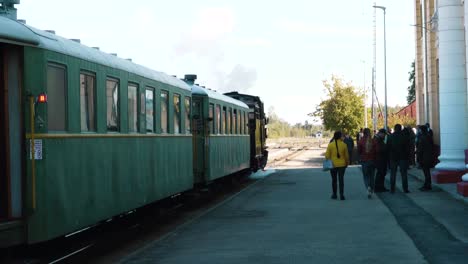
<point>37,149</point>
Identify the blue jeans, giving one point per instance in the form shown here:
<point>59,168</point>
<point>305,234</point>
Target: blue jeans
<point>403,164</point>
<point>368,169</point>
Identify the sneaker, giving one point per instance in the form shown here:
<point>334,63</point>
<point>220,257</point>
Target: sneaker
<point>334,196</point>
<point>342,197</point>
<point>407,191</point>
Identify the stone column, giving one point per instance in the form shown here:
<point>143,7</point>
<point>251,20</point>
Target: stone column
<point>452,89</point>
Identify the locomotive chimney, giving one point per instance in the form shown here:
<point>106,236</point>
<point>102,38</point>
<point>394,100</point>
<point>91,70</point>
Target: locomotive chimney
<point>190,78</point>
<point>7,8</point>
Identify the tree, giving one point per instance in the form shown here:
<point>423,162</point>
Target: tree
<point>412,88</point>
<point>344,108</point>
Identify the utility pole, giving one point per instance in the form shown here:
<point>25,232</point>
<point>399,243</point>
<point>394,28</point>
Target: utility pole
<point>374,75</point>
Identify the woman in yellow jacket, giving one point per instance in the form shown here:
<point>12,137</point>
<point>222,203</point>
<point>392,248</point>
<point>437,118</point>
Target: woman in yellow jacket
<point>337,151</point>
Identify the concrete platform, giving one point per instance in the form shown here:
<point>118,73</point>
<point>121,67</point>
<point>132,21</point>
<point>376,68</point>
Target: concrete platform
<point>288,217</point>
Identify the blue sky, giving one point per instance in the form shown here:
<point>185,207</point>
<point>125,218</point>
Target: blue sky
<point>278,50</point>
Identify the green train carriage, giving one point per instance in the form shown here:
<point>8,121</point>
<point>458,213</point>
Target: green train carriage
<point>220,132</point>
<point>112,136</point>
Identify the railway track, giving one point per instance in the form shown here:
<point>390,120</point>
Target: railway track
<point>291,154</point>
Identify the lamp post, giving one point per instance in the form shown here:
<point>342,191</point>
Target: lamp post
<point>385,63</point>
<point>365,94</point>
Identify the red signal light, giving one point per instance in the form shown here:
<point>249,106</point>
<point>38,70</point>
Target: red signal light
<point>42,98</point>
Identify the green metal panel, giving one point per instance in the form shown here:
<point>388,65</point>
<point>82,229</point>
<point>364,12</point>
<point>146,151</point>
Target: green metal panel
<point>228,154</point>
<point>81,181</point>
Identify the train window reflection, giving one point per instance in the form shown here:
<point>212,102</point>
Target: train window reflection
<point>88,102</point>
<point>56,91</point>
<point>164,112</point>
<point>218,119</point>
<point>149,103</point>
<point>112,95</point>
<point>132,108</point>
<point>211,117</point>
<point>177,114</point>
<point>224,124</point>
<point>187,115</point>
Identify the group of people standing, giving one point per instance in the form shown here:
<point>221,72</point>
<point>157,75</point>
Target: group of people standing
<point>379,152</point>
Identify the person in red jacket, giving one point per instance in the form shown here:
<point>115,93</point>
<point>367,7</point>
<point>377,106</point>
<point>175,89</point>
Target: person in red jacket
<point>366,149</point>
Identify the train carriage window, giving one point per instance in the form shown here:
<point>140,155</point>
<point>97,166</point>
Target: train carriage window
<point>211,117</point>
<point>246,125</point>
<point>234,121</point>
<point>149,103</point>
<point>187,115</point>
<point>57,101</point>
<point>88,101</point>
<point>112,95</point>
<point>177,117</point>
<point>218,119</point>
<point>132,109</point>
<point>241,122</point>
<point>164,112</point>
<point>224,124</point>
<point>238,122</point>
<point>229,122</point>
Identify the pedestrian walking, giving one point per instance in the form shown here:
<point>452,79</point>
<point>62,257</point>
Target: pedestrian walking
<point>337,151</point>
<point>426,157</point>
<point>348,140</point>
<point>366,150</point>
<point>381,159</point>
<point>398,146</point>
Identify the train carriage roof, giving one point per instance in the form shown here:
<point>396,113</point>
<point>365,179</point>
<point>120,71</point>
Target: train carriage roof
<point>218,96</point>
<point>12,31</point>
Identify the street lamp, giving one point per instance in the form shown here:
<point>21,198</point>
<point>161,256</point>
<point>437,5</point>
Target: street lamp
<point>385,63</point>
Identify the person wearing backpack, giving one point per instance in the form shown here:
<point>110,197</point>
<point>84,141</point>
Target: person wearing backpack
<point>337,151</point>
<point>366,149</point>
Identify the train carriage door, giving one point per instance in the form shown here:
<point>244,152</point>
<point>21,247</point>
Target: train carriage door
<point>198,132</point>
<point>10,133</point>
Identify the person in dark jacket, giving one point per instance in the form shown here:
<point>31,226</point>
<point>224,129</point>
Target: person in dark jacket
<point>412,147</point>
<point>425,157</point>
<point>381,158</point>
<point>348,140</point>
<point>398,147</point>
